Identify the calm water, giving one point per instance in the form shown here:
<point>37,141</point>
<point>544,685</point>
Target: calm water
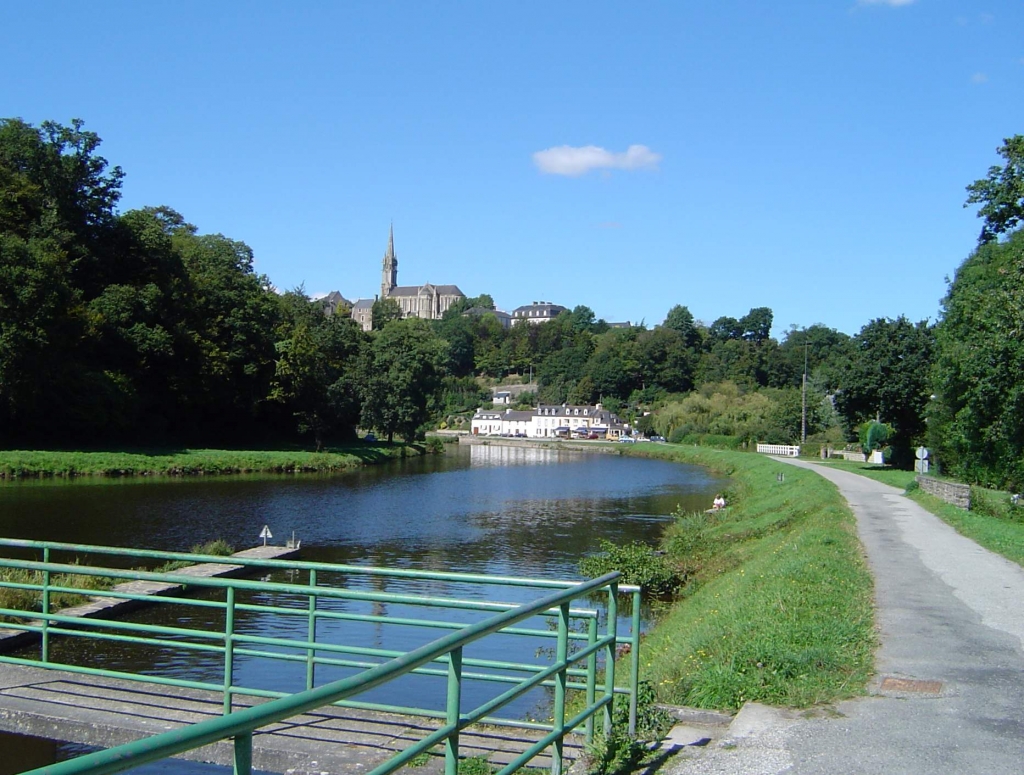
<point>484,509</point>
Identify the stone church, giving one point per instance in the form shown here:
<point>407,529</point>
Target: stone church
<point>416,301</point>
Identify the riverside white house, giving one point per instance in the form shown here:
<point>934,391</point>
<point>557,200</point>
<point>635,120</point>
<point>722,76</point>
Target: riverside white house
<point>549,421</point>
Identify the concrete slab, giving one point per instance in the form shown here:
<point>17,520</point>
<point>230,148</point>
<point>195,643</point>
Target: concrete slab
<point>683,734</point>
<point>105,712</point>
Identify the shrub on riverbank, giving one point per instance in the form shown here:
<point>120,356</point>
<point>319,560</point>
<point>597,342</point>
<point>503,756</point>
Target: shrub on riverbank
<point>16,464</point>
<point>778,604</point>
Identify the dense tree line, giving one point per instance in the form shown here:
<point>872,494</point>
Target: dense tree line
<point>133,328</point>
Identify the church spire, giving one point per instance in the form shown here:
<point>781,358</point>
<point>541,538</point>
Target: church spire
<point>389,271</point>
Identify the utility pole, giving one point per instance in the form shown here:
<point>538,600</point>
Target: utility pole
<point>803,402</point>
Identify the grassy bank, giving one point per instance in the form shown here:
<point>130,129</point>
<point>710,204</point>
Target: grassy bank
<point>16,464</point>
<point>992,522</point>
<point>778,603</point>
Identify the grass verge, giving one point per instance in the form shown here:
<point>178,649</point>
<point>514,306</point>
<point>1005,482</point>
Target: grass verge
<point>17,464</point>
<point>778,602</point>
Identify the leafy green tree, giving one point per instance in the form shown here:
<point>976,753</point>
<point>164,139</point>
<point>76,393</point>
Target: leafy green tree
<point>666,360</point>
<point>976,423</point>
<point>757,325</point>
<point>1001,193</point>
<point>384,311</point>
<point>725,328</point>
<point>319,369</point>
<point>403,374</point>
<point>680,320</point>
<point>889,379</point>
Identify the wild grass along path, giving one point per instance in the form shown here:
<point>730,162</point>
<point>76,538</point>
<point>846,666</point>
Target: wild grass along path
<point>948,696</point>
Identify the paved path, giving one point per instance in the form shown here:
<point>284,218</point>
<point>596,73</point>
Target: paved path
<point>949,692</point>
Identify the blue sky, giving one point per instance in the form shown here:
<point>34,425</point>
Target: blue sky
<point>807,155</point>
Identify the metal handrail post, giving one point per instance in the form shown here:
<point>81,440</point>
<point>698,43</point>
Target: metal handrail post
<point>634,663</point>
<point>45,605</point>
<point>561,657</point>
<point>609,657</point>
<point>229,650</point>
<point>243,754</point>
<point>591,676</point>
<point>311,632</point>
<point>454,711</point>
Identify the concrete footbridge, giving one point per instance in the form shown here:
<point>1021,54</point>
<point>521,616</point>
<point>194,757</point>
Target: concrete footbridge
<point>257,673</point>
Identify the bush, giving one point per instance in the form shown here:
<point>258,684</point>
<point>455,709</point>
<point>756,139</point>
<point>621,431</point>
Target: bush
<point>638,563</point>
<point>686,539</point>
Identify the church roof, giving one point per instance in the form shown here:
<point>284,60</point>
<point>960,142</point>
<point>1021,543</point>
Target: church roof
<point>415,290</point>
<point>363,304</point>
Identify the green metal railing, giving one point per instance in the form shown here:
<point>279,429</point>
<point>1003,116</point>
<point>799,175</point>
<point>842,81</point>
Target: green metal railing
<point>579,647</point>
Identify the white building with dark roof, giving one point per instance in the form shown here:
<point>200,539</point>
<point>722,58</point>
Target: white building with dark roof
<point>536,313</point>
<point>550,422</point>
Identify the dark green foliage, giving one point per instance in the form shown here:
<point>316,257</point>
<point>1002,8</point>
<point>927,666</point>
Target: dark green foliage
<point>976,423</point>
<point>120,327</point>
<point>1001,194</point>
<point>384,311</point>
<point>638,563</point>
<point>889,378</point>
<point>403,372</point>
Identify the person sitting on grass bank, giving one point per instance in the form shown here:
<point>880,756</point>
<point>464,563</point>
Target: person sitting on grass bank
<point>718,503</point>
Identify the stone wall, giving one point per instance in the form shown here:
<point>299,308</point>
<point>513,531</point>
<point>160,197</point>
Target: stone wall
<point>950,492</point>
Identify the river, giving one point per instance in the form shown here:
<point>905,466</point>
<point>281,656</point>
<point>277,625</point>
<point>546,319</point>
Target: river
<point>510,511</point>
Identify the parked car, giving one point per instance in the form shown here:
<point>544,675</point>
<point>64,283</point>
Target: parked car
<point>592,435</point>
<point>627,440</point>
<point>370,437</point>
<point>658,438</point>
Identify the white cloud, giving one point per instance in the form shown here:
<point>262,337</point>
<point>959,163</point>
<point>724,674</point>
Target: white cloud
<point>573,162</point>
<point>890,3</point>
<point>979,78</point>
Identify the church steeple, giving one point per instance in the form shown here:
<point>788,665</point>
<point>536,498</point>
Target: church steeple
<point>389,273</point>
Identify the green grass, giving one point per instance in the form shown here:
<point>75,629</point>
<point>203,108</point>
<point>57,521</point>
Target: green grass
<point>778,607</point>
<point>31,599</point>
<point>16,464</point>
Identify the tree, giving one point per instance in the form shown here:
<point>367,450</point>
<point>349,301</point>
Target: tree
<point>1001,194</point>
<point>680,320</point>
<point>888,379</point>
<point>725,328</point>
<point>319,369</point>
<point>976,422</point>
<point>757,325</point>
<point>403,373</point>
<point>383,312</point>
